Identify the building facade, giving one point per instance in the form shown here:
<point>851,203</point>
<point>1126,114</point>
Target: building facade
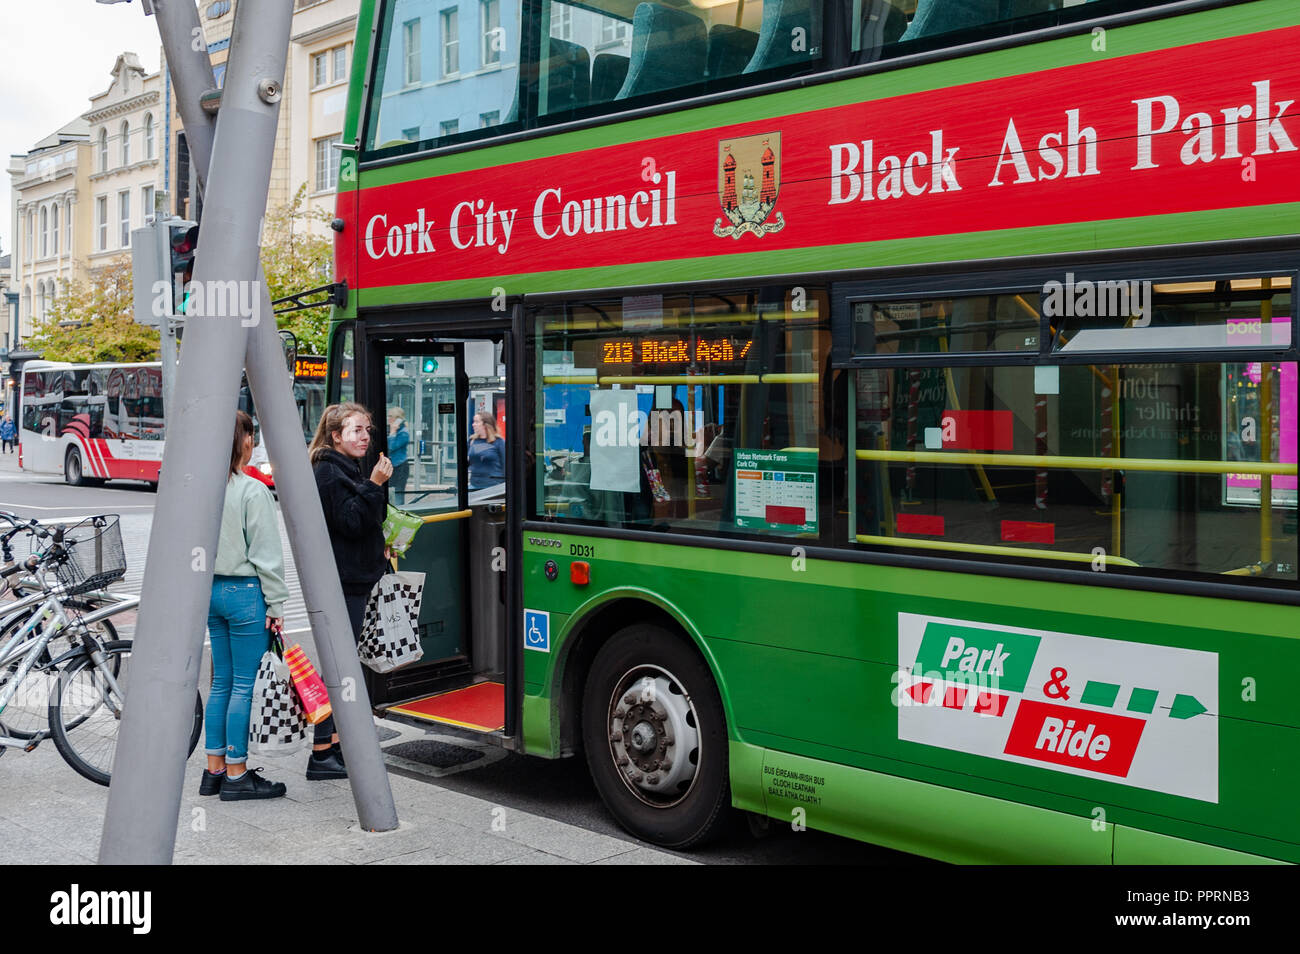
<point>50,188</point>
<point>126,177</point>
<point>311,110</point>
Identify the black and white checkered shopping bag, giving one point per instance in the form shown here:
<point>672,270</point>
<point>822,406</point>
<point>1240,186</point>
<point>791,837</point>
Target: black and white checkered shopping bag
<point>390,630</point>
<point>278,724</point>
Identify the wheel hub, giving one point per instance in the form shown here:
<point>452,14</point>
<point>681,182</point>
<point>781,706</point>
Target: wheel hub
<point>653,736</point>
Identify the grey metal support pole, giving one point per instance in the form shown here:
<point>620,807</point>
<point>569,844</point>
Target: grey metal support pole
<point>149,769</point>
<point>299,500</point>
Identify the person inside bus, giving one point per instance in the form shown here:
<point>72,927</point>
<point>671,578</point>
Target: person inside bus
<point>399,442</point>
<point>248,596</point>
<point>354,508</point>
<point>487,453</point>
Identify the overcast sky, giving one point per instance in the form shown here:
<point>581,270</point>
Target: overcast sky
<point>57,54</point>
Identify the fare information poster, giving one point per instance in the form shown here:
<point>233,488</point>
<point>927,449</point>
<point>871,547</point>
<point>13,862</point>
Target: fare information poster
<point>776,491</point>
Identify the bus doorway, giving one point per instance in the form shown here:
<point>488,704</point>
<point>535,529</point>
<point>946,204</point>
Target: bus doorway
<point>426,393</point>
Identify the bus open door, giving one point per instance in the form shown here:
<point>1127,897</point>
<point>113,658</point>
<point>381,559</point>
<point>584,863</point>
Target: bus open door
<point>424,393</point>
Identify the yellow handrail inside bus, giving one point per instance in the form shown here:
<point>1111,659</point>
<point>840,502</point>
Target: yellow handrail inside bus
<point>1083,463</point>
<point>798,377</point>
<point>449,515</point>
<point>991,550</point>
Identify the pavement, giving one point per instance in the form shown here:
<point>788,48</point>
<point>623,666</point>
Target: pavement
<point>51,815</point>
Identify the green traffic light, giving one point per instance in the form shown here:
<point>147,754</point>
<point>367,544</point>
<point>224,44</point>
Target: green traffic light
<point>430,365</point>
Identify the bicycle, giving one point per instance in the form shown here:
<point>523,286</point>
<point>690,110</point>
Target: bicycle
<point>25,717</point>
<point>90,690</point>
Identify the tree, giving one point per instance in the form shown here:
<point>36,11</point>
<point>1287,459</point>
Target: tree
<point>90,320</point>
<point>295,258</point>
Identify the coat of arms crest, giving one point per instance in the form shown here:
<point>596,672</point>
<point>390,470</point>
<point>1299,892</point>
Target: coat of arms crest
<point>749,178</point>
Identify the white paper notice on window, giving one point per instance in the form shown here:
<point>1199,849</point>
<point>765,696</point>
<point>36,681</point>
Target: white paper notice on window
<point>615,441</point>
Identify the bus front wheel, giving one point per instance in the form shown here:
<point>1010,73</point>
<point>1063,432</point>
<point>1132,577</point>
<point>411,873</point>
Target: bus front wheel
<point>655,737</point>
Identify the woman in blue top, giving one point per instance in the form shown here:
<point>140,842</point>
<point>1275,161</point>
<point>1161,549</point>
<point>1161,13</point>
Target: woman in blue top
<point>487,453</point>
<point>8,433</point>
<point>399,442</point>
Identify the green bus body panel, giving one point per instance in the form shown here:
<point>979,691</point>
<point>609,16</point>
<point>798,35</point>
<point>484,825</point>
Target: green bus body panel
<point>1134,847</point>
<point>806,662</point>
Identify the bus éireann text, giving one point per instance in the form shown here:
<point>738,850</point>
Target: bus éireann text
<point>900,407</point>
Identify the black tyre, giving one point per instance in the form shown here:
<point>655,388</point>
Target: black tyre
<point>74,472</point>
<point>656,738</point>
<point>26,714</point>
<point>85,713</point>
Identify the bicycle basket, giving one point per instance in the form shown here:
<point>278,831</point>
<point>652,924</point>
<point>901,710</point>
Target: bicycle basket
<point>94,555</point>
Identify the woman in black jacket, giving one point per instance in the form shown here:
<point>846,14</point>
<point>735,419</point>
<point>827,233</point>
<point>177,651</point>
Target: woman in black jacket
<point>354,507</point>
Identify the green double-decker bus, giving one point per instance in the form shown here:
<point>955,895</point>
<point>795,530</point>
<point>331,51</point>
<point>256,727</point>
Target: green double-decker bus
<point>876,415</point>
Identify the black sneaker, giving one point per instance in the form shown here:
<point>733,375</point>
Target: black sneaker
<point>211,784</point>
<point>326,764</point>
<point>250,785</point>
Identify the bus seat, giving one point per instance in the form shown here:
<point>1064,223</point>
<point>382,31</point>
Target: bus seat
<point>730,49</point>
<point>933,17</point>
<point>780,19</point>
<point>568,77</point>
<point>608,71</point>
<point>668,49</point>
<point>883,24</point>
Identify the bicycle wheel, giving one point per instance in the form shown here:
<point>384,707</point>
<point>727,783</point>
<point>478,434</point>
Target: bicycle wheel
<point>26,713</point>
<point>85,712</point>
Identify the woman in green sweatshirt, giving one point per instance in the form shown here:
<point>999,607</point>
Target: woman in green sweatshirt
<point>248,596</point>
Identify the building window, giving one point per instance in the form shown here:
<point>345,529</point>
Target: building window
<point>411,52</point>
<point>561,21</point>
<point>103,150</point>
<point>450,42</point>
<point>54,230</point>
<point>149,147</point>
<point>146,203</point>
<point>330,66</point>
<point>219,9</point>
<point>412,134</point>
<point>126,143</point>
<point>124,216</point>
<point>612,31</point>
<point>449,128</point>
<point>489,119</point>
<point>101,223</point>
<point>31,233</point>
<point>45,231</point>
<point>327,163</point>
<point>493,36</point>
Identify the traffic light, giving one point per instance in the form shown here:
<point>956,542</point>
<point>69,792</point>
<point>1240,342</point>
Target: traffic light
<point>184,244</point>
<point>430,365</point>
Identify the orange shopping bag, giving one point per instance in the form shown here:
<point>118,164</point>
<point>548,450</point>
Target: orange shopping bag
<point>308,683</point>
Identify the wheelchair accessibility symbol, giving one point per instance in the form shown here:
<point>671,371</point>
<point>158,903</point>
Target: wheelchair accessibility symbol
<point>537,630</point>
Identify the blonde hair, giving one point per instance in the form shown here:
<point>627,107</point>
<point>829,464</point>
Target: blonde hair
<point>396,411</point>
<point>331,423</point>
<point>489,425</point>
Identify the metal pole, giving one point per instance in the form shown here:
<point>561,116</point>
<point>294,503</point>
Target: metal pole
<point>272,388</point>
<point>149,769</point>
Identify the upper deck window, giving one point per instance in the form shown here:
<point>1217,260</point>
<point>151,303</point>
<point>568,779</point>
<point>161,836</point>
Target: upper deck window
<point>586,59</point>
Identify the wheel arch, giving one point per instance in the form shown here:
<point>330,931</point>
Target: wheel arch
<point>591,626</point>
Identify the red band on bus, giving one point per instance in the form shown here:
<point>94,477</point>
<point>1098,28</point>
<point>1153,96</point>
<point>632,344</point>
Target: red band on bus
<point>1023,531</point>
<point>991,703</point>
<point>977,430</point>
<point>790,516</point>
<point>1094,741</point>
<point>954,698</point>
<point>920,523</point>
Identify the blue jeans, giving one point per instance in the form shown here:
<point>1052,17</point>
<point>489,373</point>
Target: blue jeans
<point>239,638</point>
